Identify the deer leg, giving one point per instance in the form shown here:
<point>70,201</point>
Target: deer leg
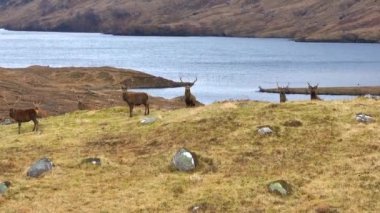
<point>130,110</point>
<point>35,128</point>
<point>19,127</point>
<point>146,111</point>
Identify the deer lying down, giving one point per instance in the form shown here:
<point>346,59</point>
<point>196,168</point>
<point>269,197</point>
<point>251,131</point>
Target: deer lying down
<point>282,91</point>
<point>314,92</point>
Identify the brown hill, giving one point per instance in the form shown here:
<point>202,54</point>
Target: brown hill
<point>310,20</point>
<point>58,90</point>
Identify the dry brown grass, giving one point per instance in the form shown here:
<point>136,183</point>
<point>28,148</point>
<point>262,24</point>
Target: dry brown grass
<point>329,160</point>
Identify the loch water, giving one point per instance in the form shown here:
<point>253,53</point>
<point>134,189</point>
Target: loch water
<point>226,68</point>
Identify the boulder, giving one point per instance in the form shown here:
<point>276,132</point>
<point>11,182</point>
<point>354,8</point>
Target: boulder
<point>363,118</point>
<point>280,187</point>
<point>184,160</point>
<point>39,167</point>
<point>6,121</point>
<point>4,186</point>
<point>148,120</point>
<point>265,131</point>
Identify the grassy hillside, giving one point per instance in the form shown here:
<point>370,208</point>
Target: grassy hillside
<point>329,160</point>
<point>326,20</point>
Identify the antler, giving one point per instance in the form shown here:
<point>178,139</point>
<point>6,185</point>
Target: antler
<point>37,104</point>
<point>196,79</point>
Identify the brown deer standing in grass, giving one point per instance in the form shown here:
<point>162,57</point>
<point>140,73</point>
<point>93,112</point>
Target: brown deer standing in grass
<point>314,92</point>
<point>24,115</point>
<point>282,91</point>
<point>135,99</point>
<point>190,99</point>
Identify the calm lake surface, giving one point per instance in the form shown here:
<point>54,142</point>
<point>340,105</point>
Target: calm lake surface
<point>226,68</point>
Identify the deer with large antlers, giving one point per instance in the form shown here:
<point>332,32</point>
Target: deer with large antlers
<point>314,92</point>
<point>135,99</point>
<point>282,91</point>
<point>23,115</point>
<point>190,99</point>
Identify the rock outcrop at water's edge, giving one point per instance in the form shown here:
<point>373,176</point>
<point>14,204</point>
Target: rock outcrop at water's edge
<point>356,90</point>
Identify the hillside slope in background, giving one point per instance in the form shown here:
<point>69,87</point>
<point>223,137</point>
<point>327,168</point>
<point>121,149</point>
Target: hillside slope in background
<point>306,20</point>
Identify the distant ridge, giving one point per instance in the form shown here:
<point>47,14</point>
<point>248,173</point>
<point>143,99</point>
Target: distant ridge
<point>302,20</point>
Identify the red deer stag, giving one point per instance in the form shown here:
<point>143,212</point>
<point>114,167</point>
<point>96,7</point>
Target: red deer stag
<point>24,115</point>
<point>135,99</point>
<point>190,99</point>
<point>282,91</point>
<point>314,92</point>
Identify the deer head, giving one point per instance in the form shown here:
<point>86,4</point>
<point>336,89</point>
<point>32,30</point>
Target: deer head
<point>313,91</point>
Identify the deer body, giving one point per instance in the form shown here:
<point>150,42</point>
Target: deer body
<point>190,99</point>
<point>136,99</point>
<point>282,91</point>
<point>282,97</point>
<point>21,116</point>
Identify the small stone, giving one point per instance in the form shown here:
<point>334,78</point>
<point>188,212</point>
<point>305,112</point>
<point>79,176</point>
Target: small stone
<point>201,207</point>
<point>265,131</point>
<point>280,187</point>
<point>41,166</point>
<point>184,160</point>
<point>148,120</point>
<point>4,186</point>
<point>92,160</point>
<point>363,118</point>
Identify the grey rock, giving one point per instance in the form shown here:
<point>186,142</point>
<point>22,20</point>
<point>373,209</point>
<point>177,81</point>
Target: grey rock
<point>4,186</point>
<point>6,121</point>
<point>39,167</point>
<point>374,97</point>
<point>148,120</point>
<point>265,131</point>
<point>363,118</point>
<point>280,187</point>
<point>184,160</point>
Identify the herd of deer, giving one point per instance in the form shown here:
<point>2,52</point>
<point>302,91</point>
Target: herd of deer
<point>132,99</point>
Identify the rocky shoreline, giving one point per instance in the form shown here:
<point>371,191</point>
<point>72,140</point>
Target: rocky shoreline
<point>355,91</point>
